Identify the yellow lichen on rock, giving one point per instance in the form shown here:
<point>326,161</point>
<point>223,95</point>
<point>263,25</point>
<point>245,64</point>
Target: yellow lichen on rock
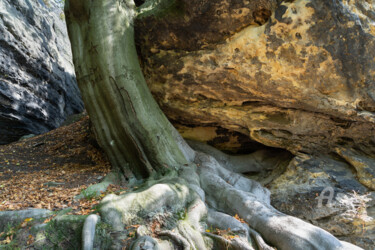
<point>302,81</point>
<point>362,164</point>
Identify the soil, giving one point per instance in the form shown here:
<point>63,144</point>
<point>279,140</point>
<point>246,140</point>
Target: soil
<point>47,171</point>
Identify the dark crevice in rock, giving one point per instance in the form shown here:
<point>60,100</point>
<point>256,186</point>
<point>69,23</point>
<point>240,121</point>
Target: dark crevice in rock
<point>261,16</point>
<point>139,2</point>
<point>252,103</point>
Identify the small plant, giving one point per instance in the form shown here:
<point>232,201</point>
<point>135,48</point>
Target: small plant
<point>7,237</point>
<point>356,205</point>
<point>88,194</point>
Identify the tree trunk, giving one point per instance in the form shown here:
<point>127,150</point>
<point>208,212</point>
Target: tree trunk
<point>180,208</point>
<point>128,123</point>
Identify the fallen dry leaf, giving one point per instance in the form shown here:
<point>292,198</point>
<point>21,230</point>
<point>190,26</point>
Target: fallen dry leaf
<point>47,171</point>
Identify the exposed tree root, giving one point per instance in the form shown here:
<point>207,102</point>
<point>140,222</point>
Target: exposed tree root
<point>177,239</point>
<point>145,242</point>
<point>140,141</point>
<point>259,240</point>
<point>88,231</point>
<point>204,197</point>
<point>224,221</point>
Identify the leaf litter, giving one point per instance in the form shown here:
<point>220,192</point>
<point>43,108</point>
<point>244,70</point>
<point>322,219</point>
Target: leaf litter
<point>49,170</point>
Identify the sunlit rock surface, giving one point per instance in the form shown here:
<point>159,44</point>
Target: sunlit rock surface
<point>37,81</point>
<point>324,191</point>
<point>302,81</point>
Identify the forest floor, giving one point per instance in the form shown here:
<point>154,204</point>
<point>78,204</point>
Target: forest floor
<point>49,170</point>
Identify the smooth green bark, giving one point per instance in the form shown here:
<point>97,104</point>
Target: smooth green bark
<point>128,123</point>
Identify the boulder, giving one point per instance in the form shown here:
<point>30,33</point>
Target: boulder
<point>297,75</point>
<point>38,89</point>
<point>324,191</point>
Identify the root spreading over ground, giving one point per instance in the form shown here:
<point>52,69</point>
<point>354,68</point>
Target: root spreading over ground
<point>201,189</point>
<point>207,205</point>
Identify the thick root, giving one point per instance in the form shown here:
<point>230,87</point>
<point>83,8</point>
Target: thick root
<point>88,231</point>
<point>225,222</point>
<point>237,164</point>
<point>195,211</point>
<point>282,231</point>
<point>177,239</point>
<point>224,243</point>
<point>259,240</point>
<point>169,195</point>
<point>145,243</point>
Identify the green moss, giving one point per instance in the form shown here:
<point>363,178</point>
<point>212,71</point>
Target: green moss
<point>88,194</point>
<point>65,232</point>
<point>95,190</point>
<point>182,214</point>
<point>103,238</point>
<point>11,246</point>
<point>19,233</point>
<point>9,232</point>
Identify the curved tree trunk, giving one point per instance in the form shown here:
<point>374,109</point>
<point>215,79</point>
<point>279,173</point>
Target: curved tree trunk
<point>128,123</point>
<point>204,192</point>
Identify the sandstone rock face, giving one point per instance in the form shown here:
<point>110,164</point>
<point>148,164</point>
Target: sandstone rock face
<point>37,81</point>
<point>302,81</point>
<point>297,75</point>
<point>346,209</point>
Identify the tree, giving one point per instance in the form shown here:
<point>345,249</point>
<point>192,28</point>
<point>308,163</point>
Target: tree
<point>188,189</point>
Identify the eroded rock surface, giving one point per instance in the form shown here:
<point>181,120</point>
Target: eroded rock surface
<point>37,81</point>
<point>325,192</point>
<point>302,81</point>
